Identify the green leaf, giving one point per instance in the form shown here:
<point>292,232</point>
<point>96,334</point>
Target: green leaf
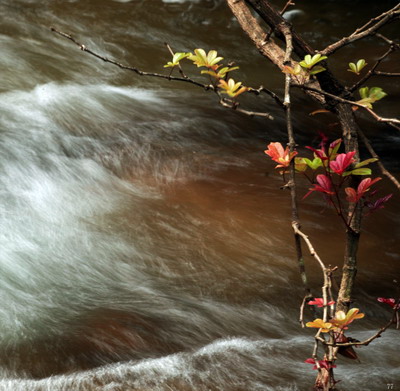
<point>356,68</point>
<point>361,64</point>
<point>364,92</point>
<point>309,61</point>
<point>317,69</point>
<point>300,164</point>
<point>353,67</point>
<point>202,59</point>
<point>370,95</point>
<point>304,64</point>
<point>365,102</point>
<point>317,162</point>
<point>360,171</point>
<point>176,58</point>
<point>377,93</point>
<point>366,162</point>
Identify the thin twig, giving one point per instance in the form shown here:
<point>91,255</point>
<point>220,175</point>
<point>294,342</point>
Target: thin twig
<point>372,71</point>
<point>235,107</point>
<point>272,94</point>
<point>372,152</point>
<point>390,121</point>
<point>301,318</point>
<point>369,28</point>
<point>130,68</point>
<point>368,340</point>
<point>387,74</point>
<point>184,78</point>
<point>311,249</point>
<point>387,40</point>
<point>292,146</point>
<point>179,65</point>
<point>283,10</point>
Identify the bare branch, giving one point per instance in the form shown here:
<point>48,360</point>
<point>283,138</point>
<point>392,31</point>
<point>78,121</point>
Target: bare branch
<point>387,40</point>
<point>311,249</point>
<point>372,152</point>
<point>390,121</point>
<point>179,65</point>
<point>131,68</point>
<point>184,78</point>
<point>272,94</point>
<point>235,106</point>
<point>372,71</point>
<point>292,146</point>
<point>371,27</point>
<point>388,74</point>
<point>301,317</point>
<point>283,10</point>
<point>370,339</point>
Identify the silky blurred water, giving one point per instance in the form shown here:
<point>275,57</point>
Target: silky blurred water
<point>145,241</point>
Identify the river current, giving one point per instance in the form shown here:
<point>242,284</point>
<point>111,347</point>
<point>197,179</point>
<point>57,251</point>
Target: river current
<point>145,243</point>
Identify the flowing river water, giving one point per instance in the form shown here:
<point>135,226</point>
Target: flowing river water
<point>145,243</point>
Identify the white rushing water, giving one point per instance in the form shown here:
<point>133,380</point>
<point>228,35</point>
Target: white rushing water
<point>141,241</point>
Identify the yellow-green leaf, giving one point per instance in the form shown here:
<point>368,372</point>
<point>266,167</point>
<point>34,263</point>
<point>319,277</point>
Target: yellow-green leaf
<point>366,162</point>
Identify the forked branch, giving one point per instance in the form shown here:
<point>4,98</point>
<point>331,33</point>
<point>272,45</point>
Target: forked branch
<point>370,28</point>
<point>184,78</point>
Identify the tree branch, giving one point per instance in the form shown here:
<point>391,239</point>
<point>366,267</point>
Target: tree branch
<point>272,94</point>
<point>235,106</point>
<point>373,154</point>
<point>372,71</point>
<point>184,78</point>
<point>368,340</point>
<point>390,121</point>
<point>131,68</point>
<point>292,146</point>
<point>388,74</point>
<point>371,27</point>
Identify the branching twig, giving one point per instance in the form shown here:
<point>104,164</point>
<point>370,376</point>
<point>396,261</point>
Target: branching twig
<point>272,94</point>
<point>372,71</point>
<point>235,107</point>
<point>130,68</point>
<point>184,78</point>
<point>387,40</point>
<point>283,10</point>
<point>390,121</point>
<point>372,152</point>
<point>368,340</point>
<point>368,29</point>
<point>179,65</point>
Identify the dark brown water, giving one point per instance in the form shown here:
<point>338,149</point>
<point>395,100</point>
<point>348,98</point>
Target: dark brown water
<point>145,244</point>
